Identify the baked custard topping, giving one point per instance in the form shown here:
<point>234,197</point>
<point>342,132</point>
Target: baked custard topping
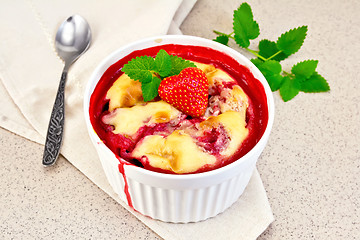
<point>177,152</point>
<point>234,125</point>
<point>128,120</point>
<point>180,144</point>
<point>125,92</point>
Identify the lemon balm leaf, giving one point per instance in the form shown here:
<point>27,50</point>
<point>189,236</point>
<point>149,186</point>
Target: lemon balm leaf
<point>139,68</point>
<point>178,64</point>
<point>163,63</point>
<point>149,89</point>
<point>275,81</point>
<point>289,88</point>
<point>150,71</point>
<point>268,49</point>
<point>315,83</point>
<point>291,41</point>
<point>257,62</point>
<point>304,69</point>
<point>245,28</point>
<point>271,70</point>
<point>223,39</point>
<point>303,75</point>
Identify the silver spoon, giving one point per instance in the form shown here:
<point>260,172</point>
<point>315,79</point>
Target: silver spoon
<point>72,39</point>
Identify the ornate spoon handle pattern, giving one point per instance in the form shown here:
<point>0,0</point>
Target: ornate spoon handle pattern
<point>56,125</point>
<point>71,41</point>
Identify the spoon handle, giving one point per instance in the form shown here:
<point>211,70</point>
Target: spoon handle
<point>56,125</point>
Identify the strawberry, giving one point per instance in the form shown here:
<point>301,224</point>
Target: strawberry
<point>188,91</point>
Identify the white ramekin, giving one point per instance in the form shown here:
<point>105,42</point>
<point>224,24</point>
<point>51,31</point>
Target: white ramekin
<point>178,198</point>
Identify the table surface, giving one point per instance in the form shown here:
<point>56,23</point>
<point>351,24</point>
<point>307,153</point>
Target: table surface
<point>310,167</point>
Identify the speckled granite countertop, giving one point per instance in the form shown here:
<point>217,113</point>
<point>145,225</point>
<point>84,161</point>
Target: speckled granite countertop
<point>310,168</point>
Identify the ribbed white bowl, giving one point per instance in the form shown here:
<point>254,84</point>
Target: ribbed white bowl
<point>178,198</point>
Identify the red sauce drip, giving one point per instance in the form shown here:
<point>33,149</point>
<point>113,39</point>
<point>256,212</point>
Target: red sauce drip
<point>257,112</point>
<point>126,187</point>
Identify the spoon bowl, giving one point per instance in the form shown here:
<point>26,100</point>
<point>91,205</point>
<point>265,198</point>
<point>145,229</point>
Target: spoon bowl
<point>71,41</point>
<point>73,38</point>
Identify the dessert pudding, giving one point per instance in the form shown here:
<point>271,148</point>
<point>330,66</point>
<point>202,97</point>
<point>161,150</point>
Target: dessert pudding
<point>186,151</point>
<point>162,136</point>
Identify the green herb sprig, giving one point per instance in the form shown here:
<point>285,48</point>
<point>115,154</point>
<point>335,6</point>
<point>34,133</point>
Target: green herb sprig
<point>303,76</point>
<point>150,71</point>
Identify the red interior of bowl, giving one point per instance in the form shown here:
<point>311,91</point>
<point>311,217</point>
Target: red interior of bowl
<point>257,113</point>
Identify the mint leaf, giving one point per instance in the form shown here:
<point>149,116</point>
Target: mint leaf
<point>257,62</point>
<point>140,68</point>
<point>303,76</point>
<point>245,28</point>
<point>304,69</point>
<point>272,72</point>
<point>163,63</point>
<point>178,64</point>
<point>268,49</point>
<point>223,39</point>
<point>289,88</point>
<point>315,83</point>
<point>150,71</point>
<point>150,89</point>
<point>291,41</point>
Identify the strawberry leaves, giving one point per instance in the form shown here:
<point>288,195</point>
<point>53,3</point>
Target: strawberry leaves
<point>303,76</point>
<point>150,71</point>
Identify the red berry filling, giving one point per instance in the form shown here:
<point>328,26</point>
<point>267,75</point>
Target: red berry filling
<point>214,141</point>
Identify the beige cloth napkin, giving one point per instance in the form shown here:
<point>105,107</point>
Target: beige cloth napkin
<point>30,71</point>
